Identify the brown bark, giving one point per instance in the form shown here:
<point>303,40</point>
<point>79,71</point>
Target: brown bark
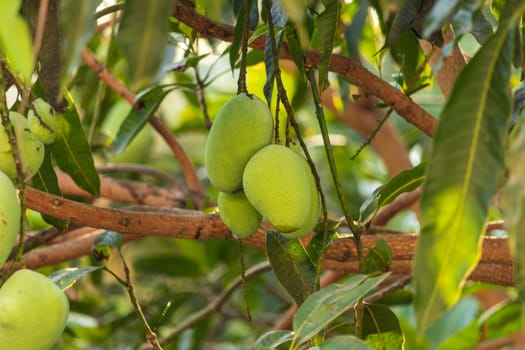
<point>346,67</point>
<point>495,265</point>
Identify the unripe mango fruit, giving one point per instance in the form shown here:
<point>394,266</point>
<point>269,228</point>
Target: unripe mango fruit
<point>277,185</point>
<point>9,216</point>
<point>42,124</point>
<point>31,149</point>
<point>33,312</point>
<point>239,214</point>
<point>243,126</point>
<point>313,213</point>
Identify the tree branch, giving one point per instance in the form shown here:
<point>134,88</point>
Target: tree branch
<point>350,69</point>
<point>495,266</point>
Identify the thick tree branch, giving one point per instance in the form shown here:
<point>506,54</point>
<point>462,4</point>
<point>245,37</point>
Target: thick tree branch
<point>350,69</point>
<point>495,266</point>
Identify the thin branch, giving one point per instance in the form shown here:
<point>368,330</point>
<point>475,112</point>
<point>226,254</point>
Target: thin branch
<point>346,67</point>
<point>139,169</point>
<point>188,169</point>
<point>217,303</point>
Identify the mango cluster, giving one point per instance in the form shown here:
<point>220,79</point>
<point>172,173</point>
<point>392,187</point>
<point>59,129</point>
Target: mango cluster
<point>32,133</point>
<point>33,309</point>
<point>258,179</point>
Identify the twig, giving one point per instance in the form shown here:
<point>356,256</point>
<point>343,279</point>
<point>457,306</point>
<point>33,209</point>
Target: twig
<point>188,169</point>
<point>140,169</point>
<point>217,303</point>
<point>126,283</point>
<point>350,69</point>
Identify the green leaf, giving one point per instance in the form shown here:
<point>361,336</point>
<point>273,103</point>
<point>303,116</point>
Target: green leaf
<point>143,36</point>
<point>15,39</point>
<point>46,180</point>
<point>464,173</point>
<point>235,49</point>
<point>328,24</point>
<point>460,316</point>
<point>405,181</point>
<point>381,329</point>
<point>146,104</point>
<point>345,342</point>
<point>378,258</point>
<point>502,320</point>
<point>325,305</point>
<point>68,277</point>
<point>292,265</point>
<point>72,153</point>
<point>404,16</point>
<point>104,242</point>
<point>273,339</point>
<point>76,31</point>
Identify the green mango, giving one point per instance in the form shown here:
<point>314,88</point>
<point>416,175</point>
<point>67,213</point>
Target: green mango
<point>243,126</point>
<point>32,151</point>
<point>9,216</point>
<point>239,214</point>
<point>277,185</point>
<point>33,312</point>
<point>313,213</point>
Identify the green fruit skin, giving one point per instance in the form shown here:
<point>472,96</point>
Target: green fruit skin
<point>277,185</point>
<point>43,128</point>
<point>242,127</point>
<point>9,216</point>
<point>238,214</point>
<point>313,213</point>
<point>33,312</point>
<point>31,153</point>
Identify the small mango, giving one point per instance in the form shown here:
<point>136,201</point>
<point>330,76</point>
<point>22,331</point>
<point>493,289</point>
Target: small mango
<point>239,214</point>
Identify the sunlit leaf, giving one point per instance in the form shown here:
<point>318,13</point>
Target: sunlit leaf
<point>292,265</point>
<point>68,277</point>
<point>272,340</point>
<point>15,39</point>
<point>344,342</point>
<point>325,305</point>
<point>464,173</point>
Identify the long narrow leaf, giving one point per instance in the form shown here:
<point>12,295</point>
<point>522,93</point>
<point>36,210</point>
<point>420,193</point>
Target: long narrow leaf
<point>143,36</point>
<point>324,306</point>
<point>72,153</point>
<point>464,172</point>
<point>292,265</point>
<point>328,24</point>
